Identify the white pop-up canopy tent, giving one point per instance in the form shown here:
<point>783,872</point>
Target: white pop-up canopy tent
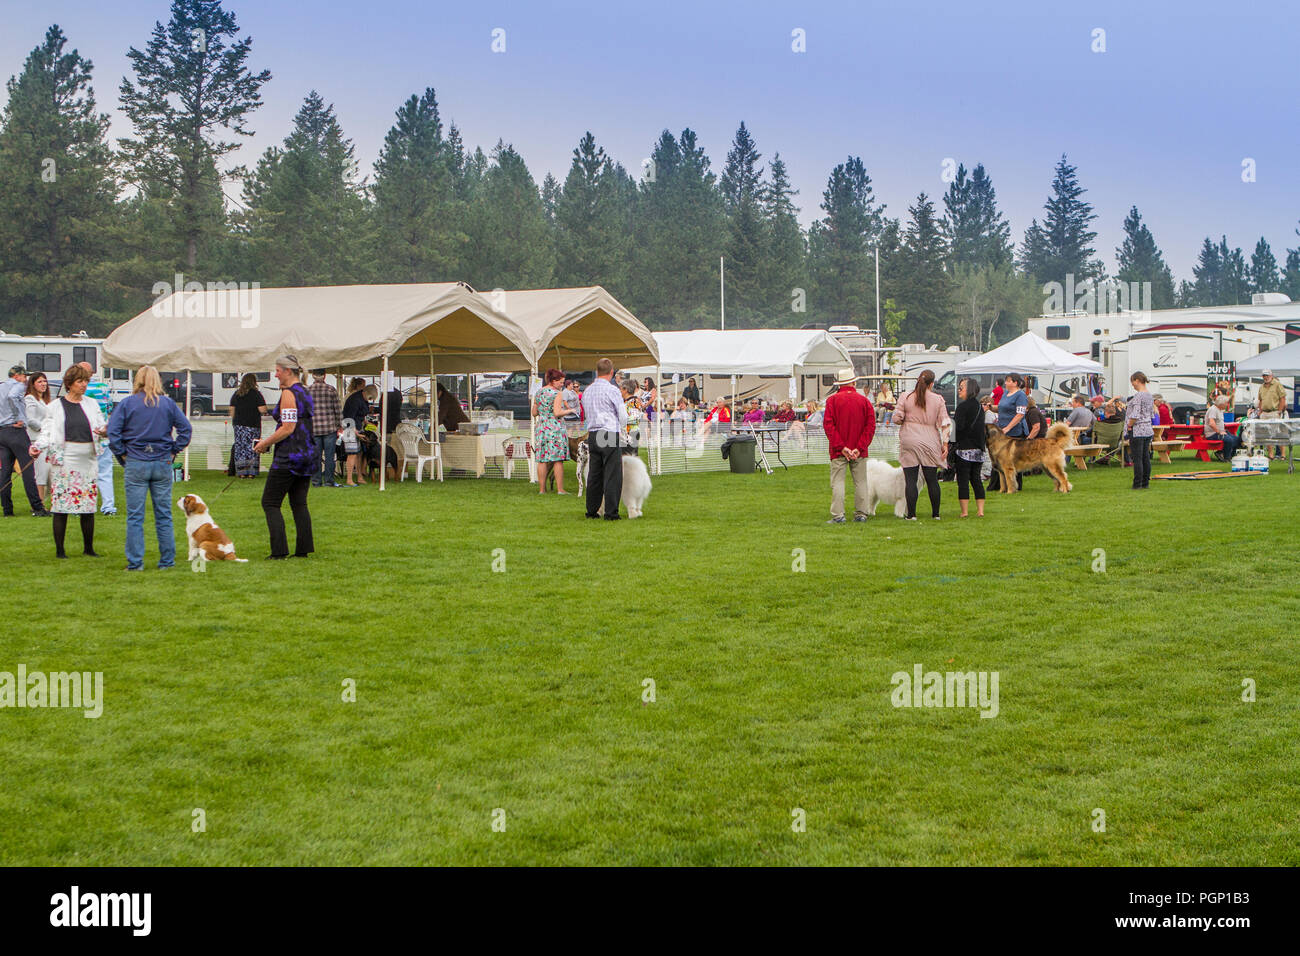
<point>1030,355</point>
<point>789,352</point>
<point>406,329</point>
<point>1284,360</point>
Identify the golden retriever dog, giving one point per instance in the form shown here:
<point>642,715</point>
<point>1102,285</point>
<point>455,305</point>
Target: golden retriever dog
<point>1012,455</point>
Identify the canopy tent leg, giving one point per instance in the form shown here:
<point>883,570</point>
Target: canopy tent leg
<point>383,425</point>
<point>434,447</point>
<point>189,380</point>
<point>532,432</point>
<point>659,424</point>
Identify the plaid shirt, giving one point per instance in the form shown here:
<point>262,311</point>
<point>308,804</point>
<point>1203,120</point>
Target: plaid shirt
<point>328,416</point>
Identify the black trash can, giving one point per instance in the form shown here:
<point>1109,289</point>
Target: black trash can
<point>741,451</point>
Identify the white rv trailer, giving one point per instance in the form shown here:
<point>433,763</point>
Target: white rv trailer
<point>55,354</point>
<point>1174,346</point>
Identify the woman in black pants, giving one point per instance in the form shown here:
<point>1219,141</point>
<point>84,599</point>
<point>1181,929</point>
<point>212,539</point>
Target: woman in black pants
<point>971,438</point>
<point>294,462</point>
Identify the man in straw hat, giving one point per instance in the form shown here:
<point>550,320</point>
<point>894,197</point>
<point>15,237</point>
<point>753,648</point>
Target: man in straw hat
<point>849,422</point>
<point>1272,404</point>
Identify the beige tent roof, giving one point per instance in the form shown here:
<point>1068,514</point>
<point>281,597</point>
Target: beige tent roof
<point>348,327</point>
<point>572,328</point>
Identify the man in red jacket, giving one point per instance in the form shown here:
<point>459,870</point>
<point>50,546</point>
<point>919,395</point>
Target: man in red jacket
<point>849,422</point>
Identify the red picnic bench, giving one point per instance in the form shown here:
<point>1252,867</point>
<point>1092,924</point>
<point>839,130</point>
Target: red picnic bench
<point>1203,447</point>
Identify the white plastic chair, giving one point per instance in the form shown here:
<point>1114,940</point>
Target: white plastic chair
<point>414,446</point>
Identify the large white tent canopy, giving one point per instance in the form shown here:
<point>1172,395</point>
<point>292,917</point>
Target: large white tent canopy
<point>1030,355</point>
<point>789,352</point>
<point>345,327</point>
<point>1283,360</point>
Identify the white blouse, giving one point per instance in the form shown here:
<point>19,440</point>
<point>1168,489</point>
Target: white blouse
<point>36,412</point>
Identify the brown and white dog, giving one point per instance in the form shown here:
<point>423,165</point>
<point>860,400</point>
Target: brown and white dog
<point>207,541</point>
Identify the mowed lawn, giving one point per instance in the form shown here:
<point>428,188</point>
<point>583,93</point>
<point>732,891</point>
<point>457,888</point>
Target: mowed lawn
<point>522,690</point>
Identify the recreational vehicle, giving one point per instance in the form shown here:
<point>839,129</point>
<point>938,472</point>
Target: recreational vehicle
<point>1175,346</point>
<point>54,355</point>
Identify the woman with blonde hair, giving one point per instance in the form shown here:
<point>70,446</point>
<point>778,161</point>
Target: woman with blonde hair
<point>145,433</point>
<point>70,438</point>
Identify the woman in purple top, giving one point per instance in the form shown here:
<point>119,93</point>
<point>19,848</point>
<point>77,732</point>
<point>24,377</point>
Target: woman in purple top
<point>1138,422</point>
<point>294,461</point>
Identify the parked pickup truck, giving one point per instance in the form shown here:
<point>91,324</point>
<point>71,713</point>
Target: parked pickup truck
<point>511,395</point>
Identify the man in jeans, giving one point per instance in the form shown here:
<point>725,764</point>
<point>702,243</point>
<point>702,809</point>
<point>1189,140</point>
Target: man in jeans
<point>849,422</point>
<point>147,431</point>
<point>15,444</point>
<point>606,422</point>
<point>326,425</point>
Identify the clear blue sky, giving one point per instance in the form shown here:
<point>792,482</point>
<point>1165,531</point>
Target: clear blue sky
<point>1162,119</point>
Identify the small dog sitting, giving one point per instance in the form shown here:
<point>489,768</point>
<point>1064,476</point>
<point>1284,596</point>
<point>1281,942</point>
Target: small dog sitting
<point>207,541</point>
<point>885,483</point>
<point>636,481</point>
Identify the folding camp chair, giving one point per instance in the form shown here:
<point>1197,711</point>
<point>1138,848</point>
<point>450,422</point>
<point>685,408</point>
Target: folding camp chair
<point>1110,434</point>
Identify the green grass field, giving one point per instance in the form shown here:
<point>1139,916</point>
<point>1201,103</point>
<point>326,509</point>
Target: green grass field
<point>522,690</point>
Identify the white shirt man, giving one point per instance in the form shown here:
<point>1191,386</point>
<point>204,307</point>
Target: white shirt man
<point>602,402</point>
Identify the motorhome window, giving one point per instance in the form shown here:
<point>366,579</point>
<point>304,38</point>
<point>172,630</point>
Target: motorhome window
<point>1056,333</point>
<point>724,378</point>
<point>121,375</point>
<point>262,376</point>
<point>83,353</point>
<point>44,362</point>
<point>1292,332</point>
<point>946,379</point>
<point>230,380</point>
<point>1096,351</point>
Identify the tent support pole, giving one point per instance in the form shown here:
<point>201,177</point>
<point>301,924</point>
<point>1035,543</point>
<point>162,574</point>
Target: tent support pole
<point>383,425</point>
<point>532,432</point>
<point>659,424</point>
<point>189,407</point>
<point>433,422</point>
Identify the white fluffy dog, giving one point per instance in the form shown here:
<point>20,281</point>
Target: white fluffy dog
<point>885,483</point>
<point>636,481</point>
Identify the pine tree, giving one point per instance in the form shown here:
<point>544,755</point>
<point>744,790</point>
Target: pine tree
<point>840,254</point>
<point>924,289</point>
<point>592,244</point>
<point>1061,246</point>
<point>417,216</point>
<point>306,215</point>
<point>1262,275</point>
<point>741,187</point>
<point>972,225</point>
<point>509,236</point>
<point>785,249</point>
<point>1236,289</point>
<point>1140,260</point>
<point>56,196</point>
<point>191,83</point>
<point>1208,271</point>
<point>1291,274</point>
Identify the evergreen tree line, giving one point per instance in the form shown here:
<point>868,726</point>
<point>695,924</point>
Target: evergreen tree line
<point>87,227</point>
